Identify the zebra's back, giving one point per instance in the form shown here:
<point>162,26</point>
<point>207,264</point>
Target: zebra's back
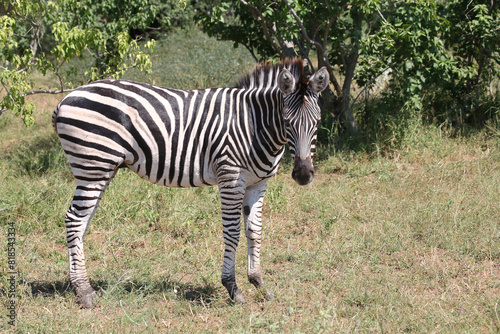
<point>161,134</point>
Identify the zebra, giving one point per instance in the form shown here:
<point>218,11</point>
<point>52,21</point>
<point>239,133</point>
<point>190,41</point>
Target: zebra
<point>230,137</point>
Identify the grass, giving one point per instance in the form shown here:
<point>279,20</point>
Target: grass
<point>399,241</point>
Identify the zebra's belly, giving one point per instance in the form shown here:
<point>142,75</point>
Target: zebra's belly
<point>201,174</point>
<point>190,176</point>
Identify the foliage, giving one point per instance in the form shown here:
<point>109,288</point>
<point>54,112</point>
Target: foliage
<point>45,35</point>
<point>234,22</point>
<point>171,14</point>
<point>474,37</point>
<point>441,57</point>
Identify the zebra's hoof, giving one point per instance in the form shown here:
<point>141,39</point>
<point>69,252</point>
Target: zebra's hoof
<point>258,282</point>
<point>85,298</point>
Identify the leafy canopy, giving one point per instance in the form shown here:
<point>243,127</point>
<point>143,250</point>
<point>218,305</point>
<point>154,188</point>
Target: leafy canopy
<point>45,36</point>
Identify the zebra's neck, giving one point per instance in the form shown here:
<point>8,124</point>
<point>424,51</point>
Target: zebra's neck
<point>267,106</point>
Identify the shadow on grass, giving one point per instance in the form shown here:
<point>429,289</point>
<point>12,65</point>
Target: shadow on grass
<point>49,289</point>
<point>40,156</point>
<point>199,294</point>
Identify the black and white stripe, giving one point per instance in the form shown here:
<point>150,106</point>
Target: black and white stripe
<point>230,137</point>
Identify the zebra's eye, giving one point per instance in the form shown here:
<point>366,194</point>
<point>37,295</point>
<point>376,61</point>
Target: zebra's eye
<point>287,123</point>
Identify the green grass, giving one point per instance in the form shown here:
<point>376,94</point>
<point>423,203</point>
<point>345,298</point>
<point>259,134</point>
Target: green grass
<point>406,240</point>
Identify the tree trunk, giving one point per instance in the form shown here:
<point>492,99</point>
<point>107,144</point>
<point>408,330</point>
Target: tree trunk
<point>346,112</point>
<point>339,104</point>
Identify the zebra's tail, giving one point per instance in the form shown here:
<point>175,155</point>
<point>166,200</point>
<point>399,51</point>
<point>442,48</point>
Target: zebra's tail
<point>54,117</point>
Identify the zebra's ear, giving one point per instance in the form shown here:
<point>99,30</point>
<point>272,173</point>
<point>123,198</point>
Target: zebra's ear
<point>286,82</point>
<point>319,81</point>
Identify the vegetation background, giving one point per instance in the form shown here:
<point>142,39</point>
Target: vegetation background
<point>399,232</point>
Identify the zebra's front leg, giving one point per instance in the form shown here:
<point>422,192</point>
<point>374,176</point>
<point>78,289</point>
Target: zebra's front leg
<point>252,214</point>
<point>77,220</point>
<point>231,194</point>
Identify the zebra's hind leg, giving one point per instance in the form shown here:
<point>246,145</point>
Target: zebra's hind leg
<point>81,211</point>
<point>252,214</point>
<point>231,194</point>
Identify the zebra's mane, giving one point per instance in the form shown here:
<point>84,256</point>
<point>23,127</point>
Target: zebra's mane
<point>265,74</point>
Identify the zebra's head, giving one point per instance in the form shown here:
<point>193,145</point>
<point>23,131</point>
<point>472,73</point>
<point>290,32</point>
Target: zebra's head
<point>301,114</point>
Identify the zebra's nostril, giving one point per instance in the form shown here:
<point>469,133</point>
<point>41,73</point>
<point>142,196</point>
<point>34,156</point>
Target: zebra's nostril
<point>303,171</point>
<point>303,178</point>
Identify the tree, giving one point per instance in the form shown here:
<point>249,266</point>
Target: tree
<point>409,43</point>
<point>434,51</point>
<point>45,36</point>
<point>289,28</point>
<point>444,57</point>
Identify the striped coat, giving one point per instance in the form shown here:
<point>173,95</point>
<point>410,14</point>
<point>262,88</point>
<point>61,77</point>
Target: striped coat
<point>230,137</point>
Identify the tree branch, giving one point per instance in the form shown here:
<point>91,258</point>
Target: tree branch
<point>251,52</point>
<point>33,93</point>
<point>305,53</point>
<point>257,14</point>
<point>382,16</point>
<point>321,50</point>
<point>304,33</point>
<point>8,93</point>
<point>48,92</point>
<point>368,84</point>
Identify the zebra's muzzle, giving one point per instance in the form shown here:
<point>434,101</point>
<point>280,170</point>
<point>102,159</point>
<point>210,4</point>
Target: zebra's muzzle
<point>303,170</point>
